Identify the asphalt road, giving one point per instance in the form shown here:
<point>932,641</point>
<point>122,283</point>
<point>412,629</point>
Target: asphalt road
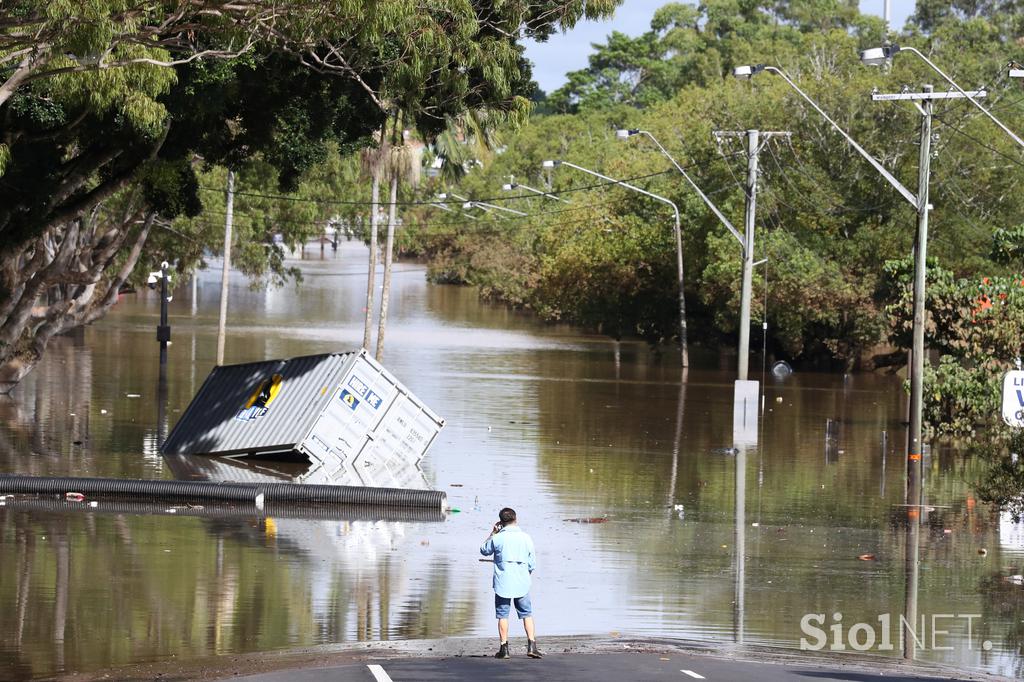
<point>582,667</point>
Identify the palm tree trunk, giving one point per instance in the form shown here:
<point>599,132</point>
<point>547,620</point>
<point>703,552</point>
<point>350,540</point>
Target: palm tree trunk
<point>388,255</point>
<point>372,276</point>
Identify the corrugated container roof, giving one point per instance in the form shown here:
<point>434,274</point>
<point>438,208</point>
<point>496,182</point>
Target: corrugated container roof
<point>210,424</point>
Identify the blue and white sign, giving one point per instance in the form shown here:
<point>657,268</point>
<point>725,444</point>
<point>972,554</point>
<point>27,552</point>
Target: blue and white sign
<point>1013,398</point>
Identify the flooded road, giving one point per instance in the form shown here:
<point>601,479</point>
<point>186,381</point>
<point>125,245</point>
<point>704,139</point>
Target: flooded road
<point>647,520</point>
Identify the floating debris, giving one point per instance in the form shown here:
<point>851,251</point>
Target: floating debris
<point>589,519</point>
<point>868,557</point>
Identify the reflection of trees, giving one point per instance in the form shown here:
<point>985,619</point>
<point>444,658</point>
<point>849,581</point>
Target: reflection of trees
<point>86,598</point>
<point>815,515</point>
<point>1003,602</point>
<point>48,413</point>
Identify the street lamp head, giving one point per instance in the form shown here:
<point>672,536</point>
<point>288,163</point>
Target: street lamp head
<point>550,164</point>
<point>467,205</point>
<point>1016,70</point>
<point>877,56</point>
<point>622,134</point>
<point>442,196</point>
<point>747,71</point>
<point>508,186</point>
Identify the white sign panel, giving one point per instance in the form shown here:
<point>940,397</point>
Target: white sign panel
<point>744,412</point>
<point>1013,398</point>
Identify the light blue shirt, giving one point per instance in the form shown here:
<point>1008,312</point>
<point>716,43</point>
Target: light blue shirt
<point>514,561</point>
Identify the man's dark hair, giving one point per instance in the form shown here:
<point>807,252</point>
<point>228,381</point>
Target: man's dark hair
<point>507,515</point>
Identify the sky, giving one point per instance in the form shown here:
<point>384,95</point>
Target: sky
<point>569,51</point>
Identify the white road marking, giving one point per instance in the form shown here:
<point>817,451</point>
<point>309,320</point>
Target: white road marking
<point>692,674</point>
<point>379,674</point>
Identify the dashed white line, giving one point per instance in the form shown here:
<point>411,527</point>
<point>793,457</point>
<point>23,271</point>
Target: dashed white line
<point>692,674</point>
<point>379,674</point>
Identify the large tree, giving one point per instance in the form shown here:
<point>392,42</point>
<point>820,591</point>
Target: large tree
<point>109,107</point>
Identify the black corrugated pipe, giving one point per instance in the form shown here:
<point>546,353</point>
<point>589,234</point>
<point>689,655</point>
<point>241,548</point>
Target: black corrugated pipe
<point>222,510</point>
<point>257,493</point>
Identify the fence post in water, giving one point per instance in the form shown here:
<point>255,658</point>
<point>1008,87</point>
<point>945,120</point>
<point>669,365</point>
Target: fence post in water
<point>831,440</point>
<point>885,451</point>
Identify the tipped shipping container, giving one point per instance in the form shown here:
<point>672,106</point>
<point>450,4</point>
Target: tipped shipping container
<point>341,410</point>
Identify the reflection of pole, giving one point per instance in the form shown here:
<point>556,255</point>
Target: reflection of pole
<point>161,408</point>
<point>222,324</point>
<point>164,332</point>
<point>680,407</point>
<point>741,514</point>
<point>911,567</point>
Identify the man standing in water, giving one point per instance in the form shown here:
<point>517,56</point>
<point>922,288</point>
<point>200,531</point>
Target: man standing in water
<point>514,561</point>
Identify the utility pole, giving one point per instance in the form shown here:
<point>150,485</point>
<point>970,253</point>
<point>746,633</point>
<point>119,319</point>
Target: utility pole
<point>914,465</point>
<point>754,146</point>
<point>924,101</point>
<point>222,324</point>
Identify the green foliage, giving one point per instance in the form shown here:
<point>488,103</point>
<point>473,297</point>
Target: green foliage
<point>826,221</point>
<point>976,326</point>
<point>1002,483</point>
<point>116,113</point>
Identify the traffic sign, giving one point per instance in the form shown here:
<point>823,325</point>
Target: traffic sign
<point>1013,398</point>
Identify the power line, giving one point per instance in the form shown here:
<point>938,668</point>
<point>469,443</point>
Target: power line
<point>987,146</point>
<point>418,202</point>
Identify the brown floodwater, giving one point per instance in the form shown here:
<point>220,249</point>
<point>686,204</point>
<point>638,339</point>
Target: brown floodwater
<point>651,517</point>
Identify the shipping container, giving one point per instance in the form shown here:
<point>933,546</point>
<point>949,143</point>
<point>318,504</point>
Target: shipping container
<point>347,414</point>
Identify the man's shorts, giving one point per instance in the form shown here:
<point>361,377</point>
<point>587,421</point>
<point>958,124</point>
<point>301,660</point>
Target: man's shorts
<point>502,604</point>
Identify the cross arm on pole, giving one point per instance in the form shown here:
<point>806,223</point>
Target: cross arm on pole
<point>970,96</point>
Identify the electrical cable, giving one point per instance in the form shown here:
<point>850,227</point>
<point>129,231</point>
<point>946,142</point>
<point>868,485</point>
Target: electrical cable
<point>343,202</point>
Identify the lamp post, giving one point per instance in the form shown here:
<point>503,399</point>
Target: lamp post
<point>442,196</point>
<point>917,359</point>
<point>683,351</point>
<point>469,203</point>
<point>509,186</point>
<point>746,240</point>
<point>876,56</point>
<point>922,207</point>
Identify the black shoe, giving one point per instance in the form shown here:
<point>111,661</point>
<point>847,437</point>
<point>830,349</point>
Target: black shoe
<point>532,651</point>
<point>503,652</point>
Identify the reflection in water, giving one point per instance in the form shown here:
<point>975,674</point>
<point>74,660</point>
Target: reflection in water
<point>911,625</point>
<point>552,422</point>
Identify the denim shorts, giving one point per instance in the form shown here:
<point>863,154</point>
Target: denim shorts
<point>523,606</point>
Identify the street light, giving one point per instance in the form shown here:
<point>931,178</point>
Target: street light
<point>469,203</point>
<point>921,205</point>
<point>684,354</point>
<point>877,56</point>
<point>509,186</point>
<point>746,72</point>
<point>746,248</point>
